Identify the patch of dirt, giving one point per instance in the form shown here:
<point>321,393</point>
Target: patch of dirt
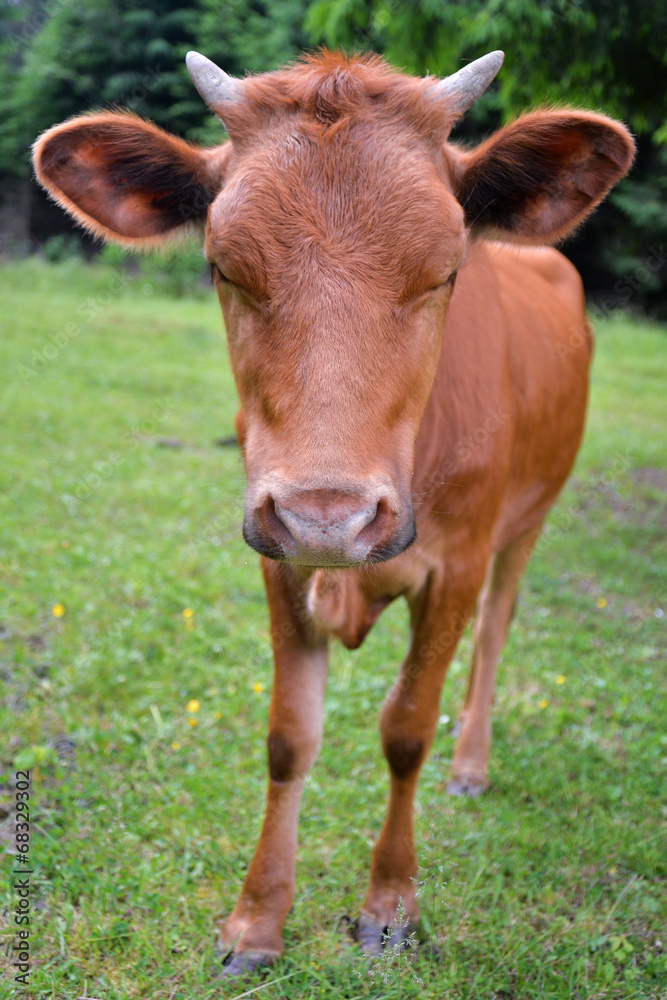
<point>649,476</point>
<point>630,499</point>
<point>35,641</point>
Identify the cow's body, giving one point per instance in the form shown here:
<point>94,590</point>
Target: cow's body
<point>412,394</point>
<point>511,377</point>
<point>497,440</point>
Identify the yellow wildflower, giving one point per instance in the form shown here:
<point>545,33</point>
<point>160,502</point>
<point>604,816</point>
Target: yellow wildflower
<point>560,679</point>
<point>193,722</point>
<point>217,715</point>
<point>175,745</point>
<point>58,610</point>
<point>188,613</point>
<point>193,706</point>
<point>542,703</point>
<point>601,602</point>
<point>257,687</point>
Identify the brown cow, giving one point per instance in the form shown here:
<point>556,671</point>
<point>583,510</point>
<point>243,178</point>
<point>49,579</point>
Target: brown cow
<point>412,391</point>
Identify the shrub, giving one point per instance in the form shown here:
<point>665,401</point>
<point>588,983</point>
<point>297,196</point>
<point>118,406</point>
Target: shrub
<point>178,273</point>
<point>62,248</point>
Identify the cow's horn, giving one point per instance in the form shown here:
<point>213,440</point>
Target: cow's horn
<point>214,85</point>
<point>463,88</point>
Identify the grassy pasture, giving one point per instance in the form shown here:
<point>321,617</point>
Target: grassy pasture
<point>135,675</point>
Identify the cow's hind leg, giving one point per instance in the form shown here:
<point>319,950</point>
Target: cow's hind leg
<point>407,724</point>
<point>252,934</point>
<point>494,613</point>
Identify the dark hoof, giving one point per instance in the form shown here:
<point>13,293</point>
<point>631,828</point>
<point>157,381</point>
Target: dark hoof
<point>465,786</point>
<point>243,963</point>
<point>372,936</point>
<point>368,934</point>
<point>399,937</point>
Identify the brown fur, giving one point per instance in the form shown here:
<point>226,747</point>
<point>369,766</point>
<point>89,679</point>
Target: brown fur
<point>393,368</point>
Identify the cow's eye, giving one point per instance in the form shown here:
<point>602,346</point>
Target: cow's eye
<point>216,273</point>
<point>438,284</point>
<point>255,299</point>
<point>446,283</point>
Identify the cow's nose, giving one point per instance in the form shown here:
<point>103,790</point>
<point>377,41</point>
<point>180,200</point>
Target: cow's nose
<point>327,527</point>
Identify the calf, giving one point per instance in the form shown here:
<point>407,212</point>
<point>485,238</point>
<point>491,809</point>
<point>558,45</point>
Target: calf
<point>412,367</point>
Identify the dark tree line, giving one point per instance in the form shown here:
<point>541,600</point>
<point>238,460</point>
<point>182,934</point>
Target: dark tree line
<point>61,57</point>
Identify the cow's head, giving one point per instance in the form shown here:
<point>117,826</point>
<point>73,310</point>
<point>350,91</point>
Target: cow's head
<point>336,218</point>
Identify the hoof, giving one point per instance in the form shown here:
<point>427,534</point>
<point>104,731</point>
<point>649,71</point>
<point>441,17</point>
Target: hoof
<point>368,934</point>
<point>466,786</point>
<point>244,963</point>
<point>399,937</point>
<point>372,936</point>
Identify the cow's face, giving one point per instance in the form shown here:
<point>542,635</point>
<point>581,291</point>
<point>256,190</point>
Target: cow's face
<point>334,259</point>
<point>336,219</point>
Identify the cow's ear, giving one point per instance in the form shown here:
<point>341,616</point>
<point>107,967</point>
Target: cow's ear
<point>125,179</point>
<point>536,179</point>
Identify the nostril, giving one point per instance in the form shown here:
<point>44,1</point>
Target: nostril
<point>378,526</point>
<point>274,526</point>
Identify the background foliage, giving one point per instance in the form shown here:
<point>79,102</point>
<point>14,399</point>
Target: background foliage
<point>62,57</point>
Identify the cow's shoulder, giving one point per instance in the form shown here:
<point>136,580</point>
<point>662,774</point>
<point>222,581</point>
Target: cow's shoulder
<point>525,269</point>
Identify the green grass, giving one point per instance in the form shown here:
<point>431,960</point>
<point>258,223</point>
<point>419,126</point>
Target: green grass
<point>552,885</point>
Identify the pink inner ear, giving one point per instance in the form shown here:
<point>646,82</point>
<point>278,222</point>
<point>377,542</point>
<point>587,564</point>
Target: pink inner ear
<point>83,177</point>
<point>123,178</point>
<point>539,177</point>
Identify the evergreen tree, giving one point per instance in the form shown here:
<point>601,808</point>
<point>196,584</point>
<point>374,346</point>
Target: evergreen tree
<point>96,55</point>
<point>598,54</point>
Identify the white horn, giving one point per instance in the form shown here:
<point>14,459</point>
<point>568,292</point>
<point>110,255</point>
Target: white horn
<point>214,85</point>
<point>463,88</point>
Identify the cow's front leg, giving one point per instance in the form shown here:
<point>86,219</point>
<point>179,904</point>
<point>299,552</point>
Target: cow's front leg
<point>407,724</point>
<point>254,929</point>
